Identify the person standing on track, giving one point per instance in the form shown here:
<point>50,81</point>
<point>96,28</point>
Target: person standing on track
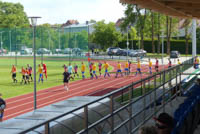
<point>40,71</point>
<point>64,66</point>
<point>100,66</point>
<point>170,63</point>
<point>94,70</point>
<point>2,107</point>
<point>14,73</point>
<point>119,70</point>
<point>83,70</point>
<point>126,68</point>
<point>157,65</point>
<point>69,68</point>
<point>138,68</point>
<point>197,61</point>
<point>45,70</point>
<point>106,66</point>
<point>150,66</point>
<point>179,62</point>
<point>89,60</point>
<point>27,76</point>
<point>66,78</point>
<point>129,66</point>
<point>30,72</point>
<point>23,72</point>
<point>90,68</point>
<point>76,70</point>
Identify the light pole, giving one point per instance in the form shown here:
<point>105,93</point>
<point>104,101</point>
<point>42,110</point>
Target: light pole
<point>49,39</point>
<point>87,23</point>
<point>162,48</point>
<point>34,23</point>
<point>1,42</point>
<point>127,43</point>
<point>59,36</point>
<point>10,42</point>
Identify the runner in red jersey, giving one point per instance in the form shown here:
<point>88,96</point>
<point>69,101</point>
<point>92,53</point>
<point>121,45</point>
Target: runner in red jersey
<point>45,70</point>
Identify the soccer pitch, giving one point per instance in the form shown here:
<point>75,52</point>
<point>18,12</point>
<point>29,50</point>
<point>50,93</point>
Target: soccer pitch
<point>54,71</point>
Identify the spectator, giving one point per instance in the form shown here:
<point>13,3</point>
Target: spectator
<point>198,79</point>
<point>2,107</point>
<point>164,123</point>
<point>148,130</point>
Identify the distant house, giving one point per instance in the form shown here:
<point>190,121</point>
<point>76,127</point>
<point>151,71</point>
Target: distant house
<point>70,22</point>
<point>78,27</point>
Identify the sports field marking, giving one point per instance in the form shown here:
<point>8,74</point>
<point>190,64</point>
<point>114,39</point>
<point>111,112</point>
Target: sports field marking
<point>64,91</point>
<point>62,98</point>
<point>47,91</point>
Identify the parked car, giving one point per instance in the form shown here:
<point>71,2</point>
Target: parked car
<point>174,54</point>
<point>67,51</point>
<point>26,51</point>
<point>43,51</point>
<point>76,51</point>
<point>133,53</point>
<point>3,51</point>
<point>141,52</point>
<point>112,50</point>
<point>57,51</point>
<point>120,52</point>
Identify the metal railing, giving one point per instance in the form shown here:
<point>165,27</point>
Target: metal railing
<point>143,99</point>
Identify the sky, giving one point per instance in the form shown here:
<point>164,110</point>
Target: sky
<point>59,11</point>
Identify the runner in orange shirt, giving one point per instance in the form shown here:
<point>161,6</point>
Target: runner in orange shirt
<point>23,71</point>
<point>27,76</point>
<point>14,74</point>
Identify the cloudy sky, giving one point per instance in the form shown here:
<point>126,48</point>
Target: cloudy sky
<point>59,11</point>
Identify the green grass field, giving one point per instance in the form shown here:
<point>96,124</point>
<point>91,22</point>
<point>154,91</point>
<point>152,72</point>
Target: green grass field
<point>54,70</point>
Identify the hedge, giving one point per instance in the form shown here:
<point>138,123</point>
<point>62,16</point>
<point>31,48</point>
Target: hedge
<point>178,45</point>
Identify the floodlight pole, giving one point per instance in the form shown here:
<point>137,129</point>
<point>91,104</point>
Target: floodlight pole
<point>10,42</point>
<point>127,43</point>
<point>59,36</point>
<point>1,43</point>
<point>34,21</point>
<point>162,48</point>
<point>87,23</point>
<point>194,43</point>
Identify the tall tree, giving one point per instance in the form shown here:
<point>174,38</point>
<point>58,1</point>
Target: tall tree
<point>106,34</point>
<point>152,32</point>
<point>187,24</point>
<point>141,22</point>
<point>12,15</point>
<point>158,32</point>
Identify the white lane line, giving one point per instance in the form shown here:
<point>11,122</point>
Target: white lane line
<point>92,87</point>
<point>60,99</point>
<point>43,93</point>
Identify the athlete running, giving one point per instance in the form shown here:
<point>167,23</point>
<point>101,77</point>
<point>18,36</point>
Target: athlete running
<point>100,66</point>
<point>138,68</point>
<point>157,65</point>
<point>106,66</point>
<point>150,66</point>
<point>119,70</point>
<point>40,71</point>
<point>83,70</point>
<point>14,73</point>
<point>45,70</point>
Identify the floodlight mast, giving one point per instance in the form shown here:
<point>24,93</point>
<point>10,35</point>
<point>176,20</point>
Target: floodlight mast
<point>34,24</point>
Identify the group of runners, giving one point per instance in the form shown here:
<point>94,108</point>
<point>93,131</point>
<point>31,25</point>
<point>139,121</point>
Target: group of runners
<point>70,72</point>
<point>26,73</point>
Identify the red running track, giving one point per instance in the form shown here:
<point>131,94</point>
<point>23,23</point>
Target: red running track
<point>96,87</point>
